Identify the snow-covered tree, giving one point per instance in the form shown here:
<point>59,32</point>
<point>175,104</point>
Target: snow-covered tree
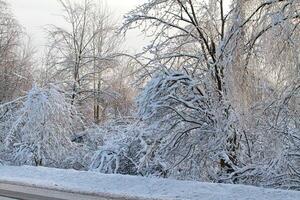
<point>213,71</point>
<point>41,128</point>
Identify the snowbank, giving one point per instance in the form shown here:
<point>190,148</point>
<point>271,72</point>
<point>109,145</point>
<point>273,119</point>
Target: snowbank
<point>131,186</point>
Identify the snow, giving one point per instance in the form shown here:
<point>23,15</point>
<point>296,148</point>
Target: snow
<point>136,187</point>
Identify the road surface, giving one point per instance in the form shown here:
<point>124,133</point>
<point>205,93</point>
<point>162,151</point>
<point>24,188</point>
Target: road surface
<point>11,191</point>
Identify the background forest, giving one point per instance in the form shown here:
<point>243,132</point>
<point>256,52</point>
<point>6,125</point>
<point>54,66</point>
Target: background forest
<point>214,96</point>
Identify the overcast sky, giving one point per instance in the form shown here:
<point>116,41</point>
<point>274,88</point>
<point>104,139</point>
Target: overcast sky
<point>35,14</point>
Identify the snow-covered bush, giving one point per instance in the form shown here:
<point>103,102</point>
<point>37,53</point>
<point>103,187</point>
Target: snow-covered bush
<point>271,142</point>
<point>197,138</point>
<point>278,144</point>
<point>91,138</point>
<point>7,116</point>
<point>41,129</point>
<point>183,133</point>
<point>127,149</point>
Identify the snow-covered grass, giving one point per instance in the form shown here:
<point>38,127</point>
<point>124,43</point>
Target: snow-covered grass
<point>133,186</point>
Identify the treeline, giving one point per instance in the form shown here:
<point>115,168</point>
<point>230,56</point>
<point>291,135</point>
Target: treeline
<point>219,98</point>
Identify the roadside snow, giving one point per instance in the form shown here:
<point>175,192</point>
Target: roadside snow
<point>138,187</point>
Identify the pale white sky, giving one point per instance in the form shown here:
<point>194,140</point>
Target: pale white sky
<point>35,14</point>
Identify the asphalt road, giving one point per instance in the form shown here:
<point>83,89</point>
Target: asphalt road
<point>10,191</point>
<point>6,198</point>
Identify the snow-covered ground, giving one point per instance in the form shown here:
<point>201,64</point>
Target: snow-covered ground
<point>138,187</point>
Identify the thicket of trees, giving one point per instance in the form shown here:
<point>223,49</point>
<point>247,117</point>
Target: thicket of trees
<point>82,58</point>
<point>219,98</point>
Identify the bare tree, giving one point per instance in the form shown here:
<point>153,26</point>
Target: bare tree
<point>15,57</point>
<point>81,53</point>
